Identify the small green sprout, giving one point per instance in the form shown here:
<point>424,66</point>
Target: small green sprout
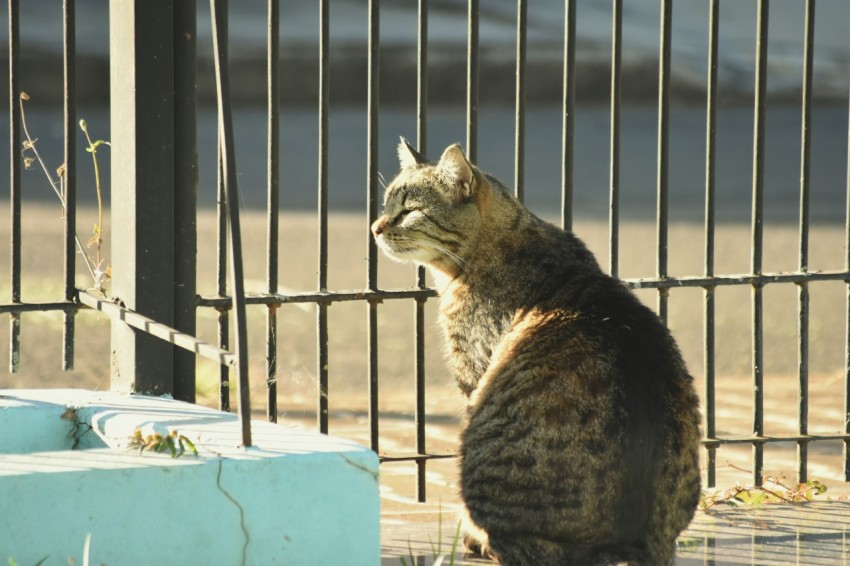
<point>173,442</point>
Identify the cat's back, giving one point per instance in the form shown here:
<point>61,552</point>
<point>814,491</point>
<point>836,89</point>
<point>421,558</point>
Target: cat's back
<point>585,411</point>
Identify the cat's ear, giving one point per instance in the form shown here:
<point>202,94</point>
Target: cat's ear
<point>457,170</point>
<point>407,156</point>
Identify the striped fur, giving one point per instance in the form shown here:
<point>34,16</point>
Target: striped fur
<point>581,431</point>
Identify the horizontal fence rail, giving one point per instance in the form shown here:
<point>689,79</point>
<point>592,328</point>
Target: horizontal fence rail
<point>229,295</point>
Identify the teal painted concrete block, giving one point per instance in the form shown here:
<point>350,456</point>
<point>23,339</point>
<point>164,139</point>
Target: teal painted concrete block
<point>293,498</point>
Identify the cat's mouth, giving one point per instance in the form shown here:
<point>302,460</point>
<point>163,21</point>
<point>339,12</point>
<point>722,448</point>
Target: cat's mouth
<point>396,248</point>
<point>422,251</point>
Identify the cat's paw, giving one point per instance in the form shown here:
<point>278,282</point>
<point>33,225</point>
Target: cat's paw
<point>478,547</point>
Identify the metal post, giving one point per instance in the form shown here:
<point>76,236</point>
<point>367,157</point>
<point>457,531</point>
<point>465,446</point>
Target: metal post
<point>143,176</point>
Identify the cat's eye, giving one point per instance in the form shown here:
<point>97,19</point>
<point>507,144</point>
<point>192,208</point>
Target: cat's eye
<point>403,214</point>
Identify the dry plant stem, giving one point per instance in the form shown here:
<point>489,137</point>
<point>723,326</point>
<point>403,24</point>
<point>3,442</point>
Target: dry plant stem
<point>59,188</point>
<point>92,149</point>
<point>31,146</point>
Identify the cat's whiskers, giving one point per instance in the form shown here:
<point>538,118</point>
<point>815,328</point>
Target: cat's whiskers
<point>445,251</point>
<point>421,242</point>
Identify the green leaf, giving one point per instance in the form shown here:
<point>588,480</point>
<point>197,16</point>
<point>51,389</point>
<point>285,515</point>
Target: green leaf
<point>169,442</point>
<point>83,125</point>
<point>190,445</point>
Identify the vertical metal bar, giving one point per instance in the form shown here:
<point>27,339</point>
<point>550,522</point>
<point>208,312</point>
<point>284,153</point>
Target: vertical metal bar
<point>472,83</point>
<point>419,313</point>
<point>757,236</point>
<point>847,325</point>
<point>614,169</point>
<point>322,308</point>
<point>225,133</point>
<point>373,198</point>
<point>15,183</point>
<point>663,147</point>
<point>710,182</point>
<point>521,42</point>
<point>221,246</point>
<point>185,192</point>
<point>221,281</point>
<point>69,174</point>
<point>568,142</point>
<point>322,369</point>
<point>273,212</point>
<point>422,78</point>
<point>803,289</point>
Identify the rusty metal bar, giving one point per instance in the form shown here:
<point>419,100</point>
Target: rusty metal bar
<point>663,147</point>
<point>472,73</point>
<point>744,279</point>
<point>773,439</point>
<point>221,247</point>
<point>225,133</point>
<point>418,457</point>
<point>69,175</point>
<point>15,184</point>
<point>758,235</point>
<point>373,200</point>
<point>614,168</point>
<point>707,442</point>
<point>320,297</point>
<point>18,308</point>
<point>328,297</point>
<point>521,49</point>
<point>803,288</point>
<point>568,128</point>
<point>846,455</point>
<point>273,190</point>
<point>322,308</point>
<point>164,332</point>
<point>419,308</point>
<point>708,294</point>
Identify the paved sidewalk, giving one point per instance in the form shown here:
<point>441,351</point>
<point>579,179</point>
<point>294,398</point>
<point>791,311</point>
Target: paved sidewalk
<point>813,533</point>
<point>804,534</point>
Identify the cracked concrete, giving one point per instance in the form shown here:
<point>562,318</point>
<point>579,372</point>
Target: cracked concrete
<point>293,490</point>
<point>241,512</point>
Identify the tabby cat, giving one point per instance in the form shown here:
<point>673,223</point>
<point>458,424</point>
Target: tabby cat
<point>580,440</point>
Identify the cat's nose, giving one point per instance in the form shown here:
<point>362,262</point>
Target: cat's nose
<point>379,225</point>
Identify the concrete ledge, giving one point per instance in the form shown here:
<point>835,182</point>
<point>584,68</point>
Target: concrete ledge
<point>293,498</point>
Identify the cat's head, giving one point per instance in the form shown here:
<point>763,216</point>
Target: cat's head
<point>430,210</point>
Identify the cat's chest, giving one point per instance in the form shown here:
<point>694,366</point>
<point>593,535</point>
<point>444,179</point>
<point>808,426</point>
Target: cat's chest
<point>473,325</point>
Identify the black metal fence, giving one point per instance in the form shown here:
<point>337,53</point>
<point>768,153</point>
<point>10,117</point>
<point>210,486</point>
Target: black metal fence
<point>175,324</point>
